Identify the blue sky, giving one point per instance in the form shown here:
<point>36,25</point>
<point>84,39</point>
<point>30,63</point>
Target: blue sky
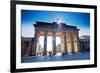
<point>29,17</point>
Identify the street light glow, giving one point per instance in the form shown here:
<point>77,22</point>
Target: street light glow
<point>58,21</point>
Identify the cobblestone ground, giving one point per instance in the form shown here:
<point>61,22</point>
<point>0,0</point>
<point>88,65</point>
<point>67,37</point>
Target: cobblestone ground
<point>66,57</point>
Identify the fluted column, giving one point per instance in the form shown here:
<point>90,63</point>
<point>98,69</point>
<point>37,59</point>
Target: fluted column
<point>34,44</point>
<point>45,43</point>
<point>84,47</point>
<point>22,47</point>
<point>54,43</point>
<point>72,43</point>
<point>65,43</point>
<point>78,42</point>
<point>29,48</point>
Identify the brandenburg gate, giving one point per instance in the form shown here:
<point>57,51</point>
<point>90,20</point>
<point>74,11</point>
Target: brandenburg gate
<point>55,38</point>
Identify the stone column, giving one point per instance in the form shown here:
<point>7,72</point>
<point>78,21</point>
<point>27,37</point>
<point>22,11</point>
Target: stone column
<point>72,43</point>
<point>22,48</point>
<point>81,46</point>
<point>87,45</point>
<point>34,44</point>
<point>78,42</point>
<point>45,43</point>
<point>65,42</point>
<point>84,47</point>
<point>29,48</point>
<point>54,43</point>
